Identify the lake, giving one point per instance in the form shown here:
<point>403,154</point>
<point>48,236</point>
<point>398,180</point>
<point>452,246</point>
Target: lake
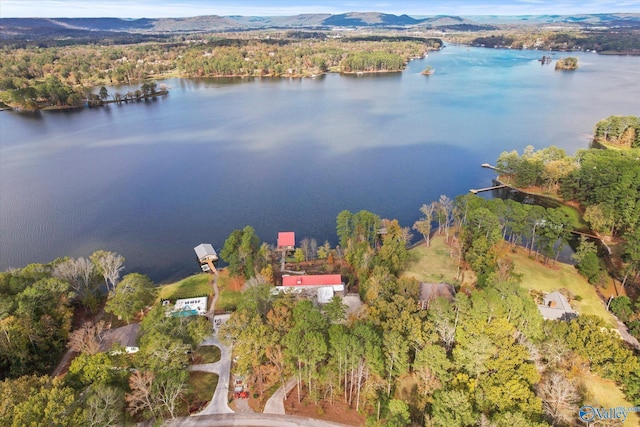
<point>153,179</point>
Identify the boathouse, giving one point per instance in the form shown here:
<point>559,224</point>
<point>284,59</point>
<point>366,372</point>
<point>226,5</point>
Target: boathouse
<point>286,240</point>
<point>207,256</point>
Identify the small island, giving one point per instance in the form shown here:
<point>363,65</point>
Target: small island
<point>569,63</point>
<point>427,71</point>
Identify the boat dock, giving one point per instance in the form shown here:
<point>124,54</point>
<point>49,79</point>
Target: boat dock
<point>482,190</point>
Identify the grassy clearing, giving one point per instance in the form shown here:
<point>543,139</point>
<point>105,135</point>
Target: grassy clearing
<point>605,394</point>
<point>192,286</point>
<point>536,276</point>
<point>206,354</point>
<point>203,384</point>
<point>229,292</point>
<point>434,264</point>
<point>198,285</point>
<point>228,300</point>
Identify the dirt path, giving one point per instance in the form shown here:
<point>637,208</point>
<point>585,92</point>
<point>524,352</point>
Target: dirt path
<point>216,291</point>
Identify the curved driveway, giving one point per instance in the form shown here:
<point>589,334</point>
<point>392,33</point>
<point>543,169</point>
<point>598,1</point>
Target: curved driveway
<point>219,401</point>
<point>275,404</point>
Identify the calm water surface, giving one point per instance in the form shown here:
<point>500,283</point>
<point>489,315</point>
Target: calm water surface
<point>151,180</point>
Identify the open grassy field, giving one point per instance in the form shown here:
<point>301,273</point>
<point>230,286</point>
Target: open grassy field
<point>605,394</point>
<point>434,264</point>
<point>536,276</point>
<point>192,286</point>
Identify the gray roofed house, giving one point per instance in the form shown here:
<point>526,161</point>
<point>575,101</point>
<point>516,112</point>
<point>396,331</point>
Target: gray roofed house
<point>126,336</point>
<point>431,291</point>
<point>556,307</point>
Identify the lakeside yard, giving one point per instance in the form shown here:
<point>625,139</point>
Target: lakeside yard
<point>435,264</point>
<point>198,285</point>
<point>558,276</point>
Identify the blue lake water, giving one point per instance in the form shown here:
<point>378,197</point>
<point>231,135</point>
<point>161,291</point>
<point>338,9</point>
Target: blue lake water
<point>151,180</point>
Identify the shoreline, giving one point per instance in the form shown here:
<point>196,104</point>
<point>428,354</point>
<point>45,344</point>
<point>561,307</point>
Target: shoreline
<point>88,104</point>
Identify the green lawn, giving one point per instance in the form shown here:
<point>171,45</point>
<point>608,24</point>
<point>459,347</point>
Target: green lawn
<point>198,285</point>
<point>206,354</point>
<point>536,276</point>
<point>229,296</point>
<point>203,384</point>
<point>192,286</point>
<point>434,264</point>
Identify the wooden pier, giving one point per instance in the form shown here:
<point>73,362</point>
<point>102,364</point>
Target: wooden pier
<point>482,190</point>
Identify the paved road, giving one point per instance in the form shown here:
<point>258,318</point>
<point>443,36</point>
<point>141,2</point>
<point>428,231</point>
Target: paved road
<point>260,420</point>
<point>275,404</point>
<point>219,402</point>
<point>630,339</point>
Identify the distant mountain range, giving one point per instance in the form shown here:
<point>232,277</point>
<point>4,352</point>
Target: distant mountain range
<point>18,28</point>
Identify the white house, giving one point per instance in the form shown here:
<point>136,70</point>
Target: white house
<point>190,306</point>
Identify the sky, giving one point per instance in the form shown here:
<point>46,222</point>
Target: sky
<point>184,8</point>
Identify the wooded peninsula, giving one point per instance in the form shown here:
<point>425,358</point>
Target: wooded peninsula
<point>59,76</point>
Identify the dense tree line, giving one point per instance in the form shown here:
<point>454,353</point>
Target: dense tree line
<point>545,167</point>
<point>371,62</point>
<point>101,388</point>
<point>607,41</point>
<point>37,304</point>
<point>487,225</point>
<point>607,182</point>
<point>619,130</point>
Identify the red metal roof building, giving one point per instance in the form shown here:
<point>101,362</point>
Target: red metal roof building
<point>320,286</point>
<point>286,240</point>
<point>312,280</point>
